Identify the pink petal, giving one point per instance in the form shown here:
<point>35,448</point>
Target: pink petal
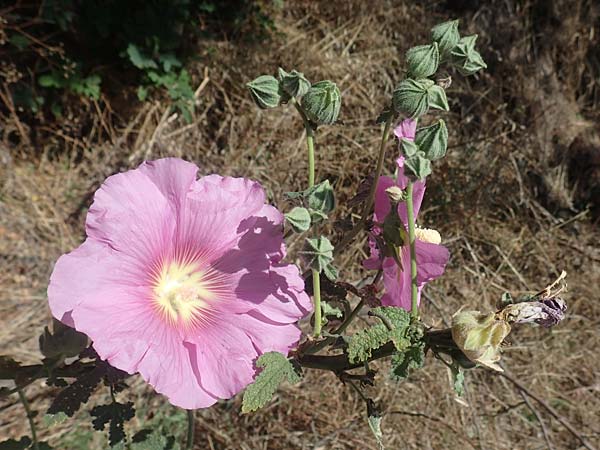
<point>406,129</point>
<point>431,261</point>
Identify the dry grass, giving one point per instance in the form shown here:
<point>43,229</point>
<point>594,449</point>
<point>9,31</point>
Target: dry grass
<point>514,202</point>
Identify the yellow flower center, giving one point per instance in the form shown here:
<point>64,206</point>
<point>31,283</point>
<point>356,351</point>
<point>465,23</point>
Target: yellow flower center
<point>181,292</point>
<point>428,235</point>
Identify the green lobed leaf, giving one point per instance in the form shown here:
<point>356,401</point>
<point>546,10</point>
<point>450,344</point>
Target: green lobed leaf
<point>447,36</point>
<point>433,140</point>
<point>322,102</point>
<point>411,358</point>
<point>423,60</point>
<point>54,419</point>
<point>138,59</point>
<point>458,380</point>
<point>331,272</point>
<point>265,91</point>
<point>299,219</point>
<point>363,343</point>
<point>276,368</point>
<point>412,97</point>
<point>148,439</point>
<point>115,414</point>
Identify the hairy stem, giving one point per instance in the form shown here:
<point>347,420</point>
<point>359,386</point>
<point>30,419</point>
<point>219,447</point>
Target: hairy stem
<point>189,444</point>
<point>310,147</point>
<point>371,197</point>
<point>413,253</point>
<point>36,446</point>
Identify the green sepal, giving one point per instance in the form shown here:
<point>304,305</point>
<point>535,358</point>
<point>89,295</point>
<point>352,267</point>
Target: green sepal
<point>318,253</point>
<point>322,103</point>
<point>265,91</point>
<point>423,61</point>
<point>408,147</point>
<point>436,97</point>
<point>465,58</point>
<point>294,84</point>
<point>299,219</point>
<point>418,166</point>
<point>433,140</point>
<point>447,36</point>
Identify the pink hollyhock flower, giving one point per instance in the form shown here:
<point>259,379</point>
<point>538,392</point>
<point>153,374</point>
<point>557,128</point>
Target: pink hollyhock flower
<point>431,256</point>
<point>181,280</point>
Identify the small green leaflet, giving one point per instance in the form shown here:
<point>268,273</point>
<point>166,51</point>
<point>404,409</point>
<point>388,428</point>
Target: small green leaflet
<point>458,380</point>
<point>411,358</point>
<point>276,369</point>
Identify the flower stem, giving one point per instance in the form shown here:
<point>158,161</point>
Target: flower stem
<point>371,197</point>
<point>23,399</point>
<point>189,444</point>
<point>413,253</point>
<point>310,147</point>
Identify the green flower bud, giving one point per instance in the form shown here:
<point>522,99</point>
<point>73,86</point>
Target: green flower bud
<point>265,91</point>
<point>322,103</point>
<point>411,97</point>
<point>418,165</point>
<point>408,148</point>
<point>446,35</point>
<point>318,254</point>
<point>423,60</point>
<point>479,336</point>
<point>433,140</point>
<point>299,219</point>
<point>294,83</point>
<point>465,58</point>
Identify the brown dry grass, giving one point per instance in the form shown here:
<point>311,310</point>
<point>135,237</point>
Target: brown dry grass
<point>516,202</point>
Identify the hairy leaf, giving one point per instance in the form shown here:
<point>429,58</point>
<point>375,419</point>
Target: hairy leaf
<point>276,368</point>
<point>411,358</point>
<point>299,219</point>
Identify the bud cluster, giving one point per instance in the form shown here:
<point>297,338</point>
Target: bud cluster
<point>418,93</point>
<point>321,102</point>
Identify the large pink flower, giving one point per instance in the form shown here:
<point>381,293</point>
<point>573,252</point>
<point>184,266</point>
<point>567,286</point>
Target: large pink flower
<point>431,256</point>
<point>181,280</point>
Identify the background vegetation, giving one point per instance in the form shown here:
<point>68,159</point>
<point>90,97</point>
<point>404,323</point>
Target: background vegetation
<point>93,88</point>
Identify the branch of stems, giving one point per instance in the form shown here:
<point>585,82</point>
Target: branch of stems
<point>30,416</point>
<point>348,237</point>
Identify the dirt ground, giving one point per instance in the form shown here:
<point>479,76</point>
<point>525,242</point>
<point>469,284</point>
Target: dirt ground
<point>516,201</point>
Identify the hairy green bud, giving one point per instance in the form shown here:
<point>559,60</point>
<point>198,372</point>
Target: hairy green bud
<point>433,140</point>
<point>446,35</point>
<point>265,91</point>
<point>423,60</point>
<point>410,97</point>
<point>322,103</point>
<point>413,98</point>
<point>294,83</point>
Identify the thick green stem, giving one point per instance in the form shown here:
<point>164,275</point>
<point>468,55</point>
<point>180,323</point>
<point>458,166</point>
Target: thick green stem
<point>189,444</point>
<point>36,446</point>
<point>413,253</point>
<point>310,145</point>
<point>371,197</point>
